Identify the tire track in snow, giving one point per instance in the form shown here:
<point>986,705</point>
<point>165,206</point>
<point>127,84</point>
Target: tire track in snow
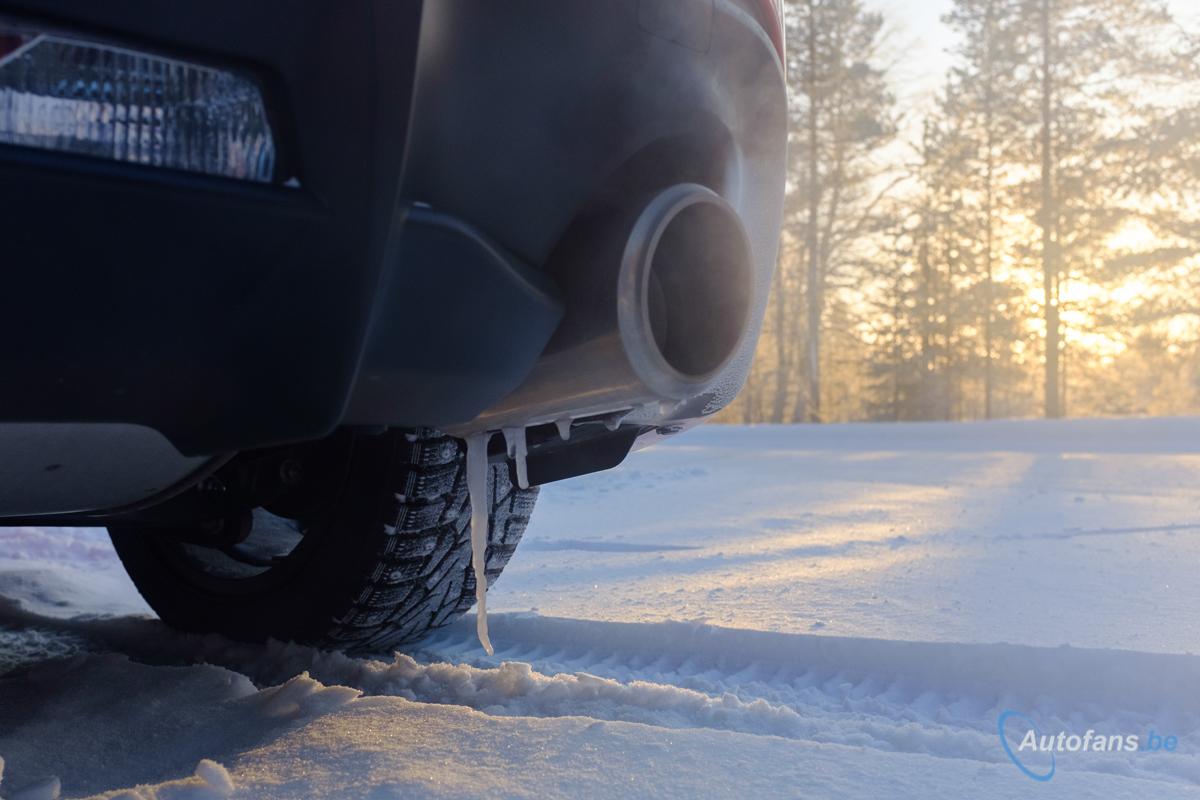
<point>717,658</point>
<point>936,699</point>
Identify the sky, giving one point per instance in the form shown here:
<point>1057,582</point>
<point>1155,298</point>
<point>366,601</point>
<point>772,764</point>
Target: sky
<point>921,40</point>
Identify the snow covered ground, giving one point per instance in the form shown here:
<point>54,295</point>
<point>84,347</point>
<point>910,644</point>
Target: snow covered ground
<point>842,611</point>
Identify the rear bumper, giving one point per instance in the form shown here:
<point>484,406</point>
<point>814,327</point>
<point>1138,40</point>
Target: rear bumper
<point>442,150</point>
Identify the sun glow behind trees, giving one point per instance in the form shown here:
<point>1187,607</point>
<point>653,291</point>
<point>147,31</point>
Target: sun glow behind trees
<point>1059,161</point>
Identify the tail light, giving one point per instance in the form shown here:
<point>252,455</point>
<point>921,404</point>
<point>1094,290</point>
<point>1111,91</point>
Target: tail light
<point>771,16</point>
<point>72,94</point>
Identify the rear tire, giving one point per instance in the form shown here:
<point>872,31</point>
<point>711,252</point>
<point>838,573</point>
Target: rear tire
<point>386,561</point>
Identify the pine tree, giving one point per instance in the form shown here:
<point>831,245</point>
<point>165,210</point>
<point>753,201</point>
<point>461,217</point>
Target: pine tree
<point>1092,57</point>
<point>841,114</point>
<point>984,91</point>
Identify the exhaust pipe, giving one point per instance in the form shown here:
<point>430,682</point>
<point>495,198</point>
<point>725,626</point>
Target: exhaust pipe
<point>657,303</point>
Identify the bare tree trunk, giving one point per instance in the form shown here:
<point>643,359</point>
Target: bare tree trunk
<point>815,272</point>
<point>951,389</point>
<point>782,358</point>
<point>989,101</point>
<point>1058,287</point>
<point>1049,213</point>
<point>897,355</point>
<point>925,298</point>
<point>798,360</point>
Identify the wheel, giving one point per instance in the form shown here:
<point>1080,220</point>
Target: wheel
<point>384,560</point>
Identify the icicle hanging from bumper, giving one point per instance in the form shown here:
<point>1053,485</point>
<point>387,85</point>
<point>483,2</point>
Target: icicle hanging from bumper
<point>514,440</point>
<point>477,474</point>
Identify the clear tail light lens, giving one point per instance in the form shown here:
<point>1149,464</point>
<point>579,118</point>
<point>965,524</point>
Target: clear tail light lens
<point>73,95</point>
<point>775,24</point>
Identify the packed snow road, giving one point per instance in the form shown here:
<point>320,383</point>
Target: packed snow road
<point>800,612</point>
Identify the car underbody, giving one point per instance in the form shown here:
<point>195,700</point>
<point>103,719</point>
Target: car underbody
<point>440,246</point>
<point>270,265</point>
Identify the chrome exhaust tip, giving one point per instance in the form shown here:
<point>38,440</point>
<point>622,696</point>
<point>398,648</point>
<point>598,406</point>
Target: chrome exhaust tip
<point>658,302</point>
<point>685,290</point>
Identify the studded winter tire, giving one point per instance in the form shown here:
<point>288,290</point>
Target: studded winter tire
<point>387,559</point>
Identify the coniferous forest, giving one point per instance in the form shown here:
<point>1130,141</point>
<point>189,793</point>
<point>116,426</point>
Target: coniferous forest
<point>1024,244</point>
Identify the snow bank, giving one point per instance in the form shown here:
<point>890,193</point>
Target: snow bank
<point>99,721</point>
<point>305,739</point>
